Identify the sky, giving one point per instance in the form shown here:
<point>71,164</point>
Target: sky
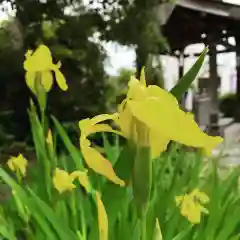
<point>124,57</point>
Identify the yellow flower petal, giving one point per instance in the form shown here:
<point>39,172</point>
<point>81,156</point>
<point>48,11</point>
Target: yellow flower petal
<point>190,206</point>
<point>157,232</point>
<point>30,80</point>
<point>162,95</point>
<point>47,80</point>
<point>18,163</point>
<point>136,89</point>
<point>82,178</point>
<point>102,219</point>
<point>98,163</point>
<point>61,81</point>
<point>157,143</point>
<point>142,77</point>
<point>89,126</point>
<point>40,60</point>
<point>200,196</point>
<point>155,115</point>
<point>49,139</point>
<point>103,117</point>
<point>172,123</point>
<point>124,121</point>
<point>62,181</point>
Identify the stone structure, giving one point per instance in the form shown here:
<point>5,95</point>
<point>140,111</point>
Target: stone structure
<point>210,22</point>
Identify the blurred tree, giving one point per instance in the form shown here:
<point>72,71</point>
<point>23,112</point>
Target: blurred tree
<point>73,31</point>
<point>117,87</point>
<point>70,38</point>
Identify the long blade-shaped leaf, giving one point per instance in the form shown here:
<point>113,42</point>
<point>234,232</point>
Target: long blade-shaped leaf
<point>181,87</point>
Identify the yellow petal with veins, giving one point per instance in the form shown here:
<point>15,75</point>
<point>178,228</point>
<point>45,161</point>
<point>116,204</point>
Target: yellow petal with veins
<point>97,162</point>
<point>162,95</point>
<point>172,123</point>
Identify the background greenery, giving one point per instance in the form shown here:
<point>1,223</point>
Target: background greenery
<point>74,32</point>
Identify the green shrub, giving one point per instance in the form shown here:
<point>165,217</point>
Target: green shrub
<point>228,104</point>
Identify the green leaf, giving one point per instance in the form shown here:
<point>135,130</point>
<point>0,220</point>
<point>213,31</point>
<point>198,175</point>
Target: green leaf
<point>142,176</point>
<point>73,151</point>
<point>123,169</point>
<point>62,230</point>
<point>182,235</point>
<point>19,191</point>
<point>184,83</point>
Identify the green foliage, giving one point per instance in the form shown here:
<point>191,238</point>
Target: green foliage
<point>228,104</point>
<point>36,210</point>
<point>117,87</point>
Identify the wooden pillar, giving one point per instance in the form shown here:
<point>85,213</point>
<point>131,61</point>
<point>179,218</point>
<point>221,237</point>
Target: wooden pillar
<point>237,39</point>
<point>180,74</point>
<point>213,91</point>
<point>237,110</point>
<point>181,65</point>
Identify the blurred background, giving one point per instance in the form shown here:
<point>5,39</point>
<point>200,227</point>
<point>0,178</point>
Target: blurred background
<point>102,42</point>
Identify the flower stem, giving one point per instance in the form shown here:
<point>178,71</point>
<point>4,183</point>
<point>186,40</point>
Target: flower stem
<point>143,224</point>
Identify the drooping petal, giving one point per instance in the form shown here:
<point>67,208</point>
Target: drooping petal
<point>103,117</point>
<point>89,126</point>
<point>172,123</point>
<point>61,81</point>
<point>30,80</point>
<point>98,163</point>
<point>102,219</point>
<point>155,115</point>
<point>47,80</point>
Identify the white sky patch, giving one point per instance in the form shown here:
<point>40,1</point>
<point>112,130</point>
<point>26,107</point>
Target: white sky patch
<point>236,2</point>
<point>124,57</point>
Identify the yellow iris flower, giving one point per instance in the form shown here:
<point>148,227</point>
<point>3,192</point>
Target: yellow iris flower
<point>18,164</point>
<point>160,112</point>
<point>63,181</point>
<point>92,157</point>
<point>40,62</point>
<point>152,118</point>
<point>191,205</point>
